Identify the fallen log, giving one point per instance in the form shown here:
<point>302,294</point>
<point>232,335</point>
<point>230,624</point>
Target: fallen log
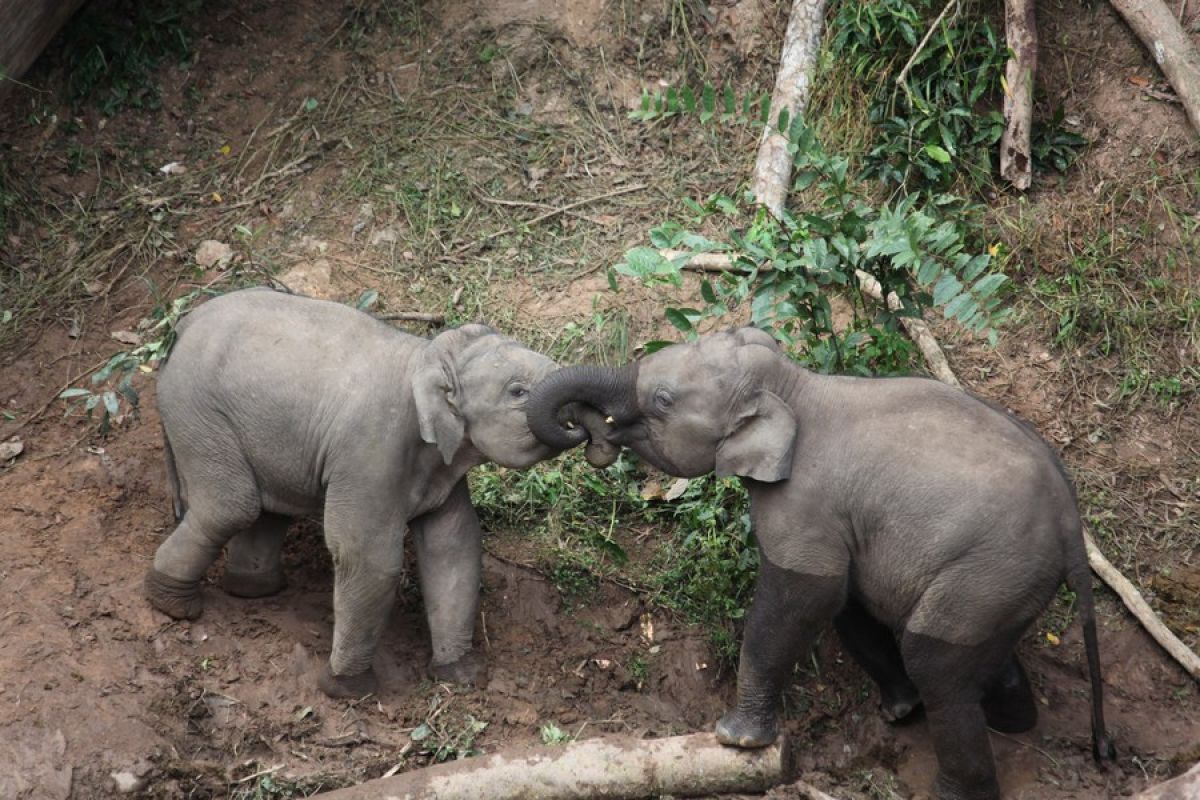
<point>1183,787</point>
<point>1173,51</point>
<point>605,767</point>
<point>801,45</point>
<point>28,27</point>
<point>1016,150</point>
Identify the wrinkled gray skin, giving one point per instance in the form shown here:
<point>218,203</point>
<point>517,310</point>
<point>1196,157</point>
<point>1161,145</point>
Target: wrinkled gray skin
<point>275,406</point>
<point>931,528</point>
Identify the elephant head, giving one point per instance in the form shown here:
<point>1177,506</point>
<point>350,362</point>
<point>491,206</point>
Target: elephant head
<point>716,404</point>
<point>470,387</point>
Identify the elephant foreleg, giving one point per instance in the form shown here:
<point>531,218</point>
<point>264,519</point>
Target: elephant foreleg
<point>368,559</point>
<point>788,611</point>
<point>449,550</point>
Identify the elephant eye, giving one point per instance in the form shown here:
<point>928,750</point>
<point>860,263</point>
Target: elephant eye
<point>517,391</point>
<point>663,399</point>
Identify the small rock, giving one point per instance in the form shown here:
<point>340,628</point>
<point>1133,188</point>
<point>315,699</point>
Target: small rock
<point>212,253</point>
<point>388,235</point>
<point>127,782</point>
<point>310,278</point>
<point>11,449</point>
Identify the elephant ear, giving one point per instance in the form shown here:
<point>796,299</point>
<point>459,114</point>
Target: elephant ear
<point>751,335</point>
<point>436,390</point>
<point>762,441</point>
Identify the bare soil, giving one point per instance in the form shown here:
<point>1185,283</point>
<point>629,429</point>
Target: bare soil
<point>97,689</point>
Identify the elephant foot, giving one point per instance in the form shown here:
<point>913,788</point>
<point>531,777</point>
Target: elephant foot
<point>470,670</point>
<point>175,598</point>
<point>347,687</point>
<point>1103,750</point>
<point>746,730</point>
<point>946,789</point>
<point>900,705</point>
<point>253,584</point>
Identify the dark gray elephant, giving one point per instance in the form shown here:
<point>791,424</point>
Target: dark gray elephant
<point>275,406</point>
<point>931,528</point>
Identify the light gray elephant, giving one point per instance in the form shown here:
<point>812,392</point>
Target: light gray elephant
<point>930,527</point>
<point>275,406</point>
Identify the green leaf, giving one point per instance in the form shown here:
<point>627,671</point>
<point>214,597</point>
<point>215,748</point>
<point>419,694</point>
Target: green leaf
<point>946,288</point>
<point>928,272</point>
<point>987,286</point>
<point>976,266</point>
<point>681,318</point>
<point>689,100</point>
<point>310,104</point>
<point>655,346</point>
<point>708,103</point>
<point>67,394</point>
<point>612,280</point>
<point>111,404</point>
<point>960,306</point>
<point>706,291</point>
<point>367,300</point>
<point>937,153</point>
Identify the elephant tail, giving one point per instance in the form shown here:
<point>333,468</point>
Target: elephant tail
<point>178,503</point>
<point>1079,580</point>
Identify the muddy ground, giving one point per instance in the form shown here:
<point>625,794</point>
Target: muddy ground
<point>99,692</point>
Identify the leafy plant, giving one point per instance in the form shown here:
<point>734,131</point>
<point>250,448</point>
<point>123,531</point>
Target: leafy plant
<point>552,734</point>
<point>934,125</point>
<point>113,382</point>
<point>709,103</point>
<point>786,268</point>
<point>442,743</point>
<point>1053,146</point>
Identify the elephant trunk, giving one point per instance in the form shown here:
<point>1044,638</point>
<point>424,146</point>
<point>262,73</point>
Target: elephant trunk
<point>611,392</point>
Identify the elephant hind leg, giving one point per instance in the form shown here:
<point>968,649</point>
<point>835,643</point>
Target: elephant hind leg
<point>253,566</point>
<point>873,645</point>
<point>1008,702</point>
<point>218,509</point>
<point>952,679</point>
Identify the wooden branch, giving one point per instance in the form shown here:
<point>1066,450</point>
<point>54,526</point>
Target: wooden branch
<point>915,327</point>
<point>901,79</point>
<point>608,767</point>
<point>1173,51</point>
<point>1138,606</point>
<point>801,45</point>
<point>412,316</point>
<point>707,262</point>
<point>1016,150</point>
<point>28,27</point>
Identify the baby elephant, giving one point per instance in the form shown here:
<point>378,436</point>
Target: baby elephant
<point>931,528</point>
<point>275,406</point>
